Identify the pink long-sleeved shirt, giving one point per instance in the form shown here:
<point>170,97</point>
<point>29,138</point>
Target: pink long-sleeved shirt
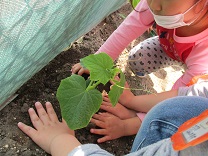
<point>192,50</point>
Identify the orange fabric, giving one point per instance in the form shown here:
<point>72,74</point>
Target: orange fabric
<point>196,78</point>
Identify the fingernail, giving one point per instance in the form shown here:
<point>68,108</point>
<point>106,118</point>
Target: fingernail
<point>48,103</point>
<point>37,103</point>
<point>19,123</point>
<point>30,109</point>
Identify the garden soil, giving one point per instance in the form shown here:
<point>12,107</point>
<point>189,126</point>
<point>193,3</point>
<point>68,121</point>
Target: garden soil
<point>43,85</point>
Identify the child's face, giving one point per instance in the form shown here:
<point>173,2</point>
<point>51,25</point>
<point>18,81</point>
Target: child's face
<point>174,7</point>
<point>170,7</point>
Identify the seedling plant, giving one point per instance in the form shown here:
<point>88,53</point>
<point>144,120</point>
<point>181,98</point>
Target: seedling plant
<point>80,99</point>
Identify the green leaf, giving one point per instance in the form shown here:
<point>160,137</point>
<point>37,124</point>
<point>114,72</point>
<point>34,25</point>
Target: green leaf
<point>135,2</point>
<point>77,104</point>
<point>117,89</point>
<point>100,66</point>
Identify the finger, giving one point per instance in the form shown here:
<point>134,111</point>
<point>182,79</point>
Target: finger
<point>81,71</point>
<point>31,132</point>
<point>117,78</point>
<point>105,95</point>
<point>106,103</point>
<point>106,99</point>
<point>76,68</point>
<point>105,115</point>
<point>104,139</point>
<point>98,131</point>
<point>43,115</point>
<point>51,113</point>
<point>100,116</point>
<point>108,108</point>
<point>98,123</point>
<point>36,121</point>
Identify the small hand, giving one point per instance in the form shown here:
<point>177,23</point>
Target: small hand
<point>46,126</point>
<point>110,125</point>
<point>78,69</point>
<point>126,96</point>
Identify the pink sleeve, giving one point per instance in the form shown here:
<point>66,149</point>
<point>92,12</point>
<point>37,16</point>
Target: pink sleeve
<point>135,24</point>
<point>197,64</point>
<point>141,115</point>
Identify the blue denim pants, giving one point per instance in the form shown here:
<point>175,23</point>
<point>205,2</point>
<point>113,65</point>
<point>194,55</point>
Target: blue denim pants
<point>163,120</point>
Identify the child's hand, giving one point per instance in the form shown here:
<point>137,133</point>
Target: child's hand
<point>78,69</point>
<point>47,127</point>
<point>110,125</point>
<point>126,96</point>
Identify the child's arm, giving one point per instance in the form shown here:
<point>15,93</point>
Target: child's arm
<point>135,24</point>
<point>49,133</point>
<point>143,103</point>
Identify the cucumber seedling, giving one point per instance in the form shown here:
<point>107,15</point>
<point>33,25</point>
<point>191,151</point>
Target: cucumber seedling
<point>80,99</point>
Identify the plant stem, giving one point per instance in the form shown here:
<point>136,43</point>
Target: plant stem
<point>145,90</point>
<point>133,88</point>
<point>92,85</point>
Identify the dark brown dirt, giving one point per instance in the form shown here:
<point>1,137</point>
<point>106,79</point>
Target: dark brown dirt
<point>42,87</point>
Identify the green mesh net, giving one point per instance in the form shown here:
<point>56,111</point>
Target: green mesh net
<point>33,32</point>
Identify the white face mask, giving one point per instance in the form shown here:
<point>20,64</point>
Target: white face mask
<point>175,21</point>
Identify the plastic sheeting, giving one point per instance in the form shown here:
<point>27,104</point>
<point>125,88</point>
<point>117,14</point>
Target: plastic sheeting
<point>33,32</point>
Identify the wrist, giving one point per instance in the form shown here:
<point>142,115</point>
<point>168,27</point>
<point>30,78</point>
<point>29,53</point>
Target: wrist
<point>63,144</point>
<point>131,126</point>
<point>125,100</point>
